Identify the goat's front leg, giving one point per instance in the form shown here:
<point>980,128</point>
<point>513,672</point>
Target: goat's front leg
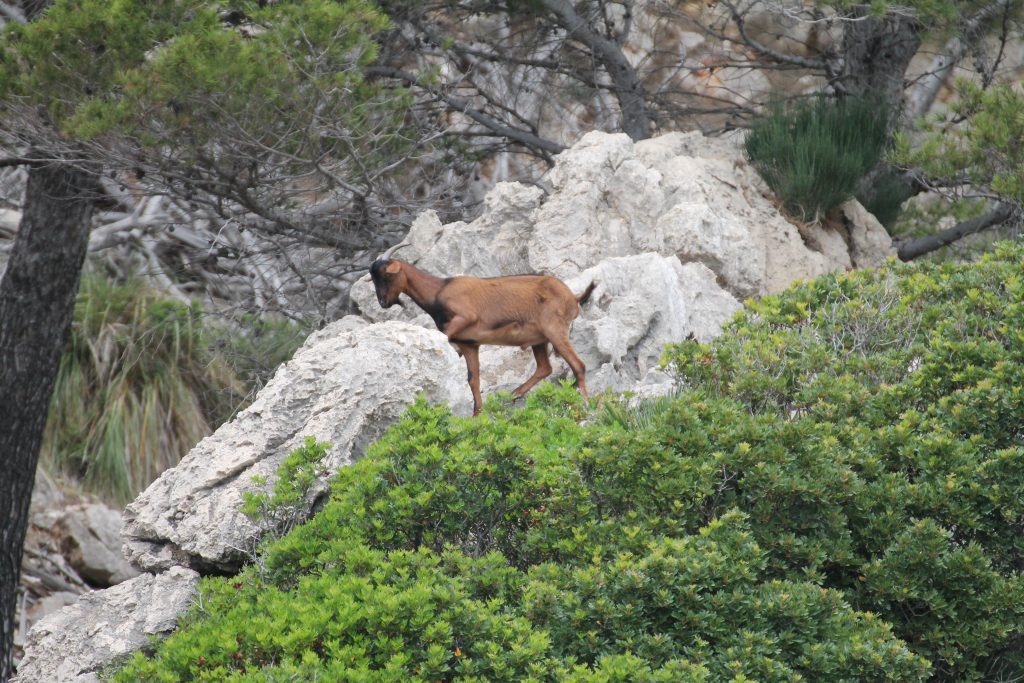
<point>457,325</point>
<point>540,353</point>
<point>471,353</point>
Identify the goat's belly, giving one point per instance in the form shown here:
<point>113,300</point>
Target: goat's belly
<point>509,335</point>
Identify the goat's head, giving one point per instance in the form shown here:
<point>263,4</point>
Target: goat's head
<point>388,277</point>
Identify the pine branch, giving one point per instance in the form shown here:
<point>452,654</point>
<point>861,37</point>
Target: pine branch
<point>909,250</point>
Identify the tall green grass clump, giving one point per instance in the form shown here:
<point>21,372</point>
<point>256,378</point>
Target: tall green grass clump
<point>814,152</point>
<point>836,495</point>
<point>137,387</point>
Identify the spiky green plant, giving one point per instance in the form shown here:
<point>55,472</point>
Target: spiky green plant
<point>814,152</point>
<point>137,387</point>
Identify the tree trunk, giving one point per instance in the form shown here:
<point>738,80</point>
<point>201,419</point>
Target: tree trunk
<point>37,296</point>
<point>876,53</point>
<point>627,86</point>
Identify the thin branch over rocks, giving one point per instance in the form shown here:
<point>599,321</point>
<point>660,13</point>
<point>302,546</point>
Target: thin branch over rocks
<point>911,249</point>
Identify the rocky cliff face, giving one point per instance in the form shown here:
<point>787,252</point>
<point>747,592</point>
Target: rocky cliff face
<point>674,231</point>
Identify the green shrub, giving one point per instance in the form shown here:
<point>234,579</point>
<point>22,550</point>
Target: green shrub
<point>282,508</point>
<point>907,383</point>
<point>814,152</point>
<point>838,495</point>
<point>498,549</point>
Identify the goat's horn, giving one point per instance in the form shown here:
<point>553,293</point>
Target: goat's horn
<point>387,254</point>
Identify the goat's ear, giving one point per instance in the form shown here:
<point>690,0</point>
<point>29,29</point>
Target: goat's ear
<point>393,267</point>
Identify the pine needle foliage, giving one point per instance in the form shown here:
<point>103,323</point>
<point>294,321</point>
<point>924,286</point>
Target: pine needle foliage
<point>814,152</point>
<point>137,387</point>
<point>982,141</point>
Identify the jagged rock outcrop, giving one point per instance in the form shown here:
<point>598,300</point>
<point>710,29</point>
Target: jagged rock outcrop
<point>73,644</point>
<point>345,385</point>
<point>680,195</point>
<point>673,230</point>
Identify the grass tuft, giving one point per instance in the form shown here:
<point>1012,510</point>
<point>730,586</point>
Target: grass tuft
<point>140,382</point>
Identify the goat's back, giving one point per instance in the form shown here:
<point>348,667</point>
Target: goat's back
<point>523,297</point>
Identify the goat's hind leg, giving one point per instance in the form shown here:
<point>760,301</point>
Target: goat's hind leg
<point>540,353</point>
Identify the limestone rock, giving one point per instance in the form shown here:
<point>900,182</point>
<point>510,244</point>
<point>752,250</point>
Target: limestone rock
<point>640,304</point>
<point>89,538</point>
<point>50,604</point>
<point>74,643</point>
<point>345,385</point>
<point>678,194</point>
<point>870,243</point>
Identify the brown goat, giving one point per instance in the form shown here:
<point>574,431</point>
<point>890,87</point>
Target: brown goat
<point>517,310</point>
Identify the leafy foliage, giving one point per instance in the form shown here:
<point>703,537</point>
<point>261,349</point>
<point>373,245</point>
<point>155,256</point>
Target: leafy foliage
<point>838,495</point>
<point>984,145</point>
<point>908,381</point>
<point>259,108</point>
<point>474,549</point>
<point>139,68</point>
<point>295,477</point>
<point>814,152</point>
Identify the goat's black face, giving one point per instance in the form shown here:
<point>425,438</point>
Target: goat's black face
<point>385,284</point>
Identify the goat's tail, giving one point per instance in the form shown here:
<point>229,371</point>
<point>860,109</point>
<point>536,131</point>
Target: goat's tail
<point>582,298</point>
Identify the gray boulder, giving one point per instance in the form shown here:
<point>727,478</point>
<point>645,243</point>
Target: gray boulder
<point>345,386</point>
<point>74,643</point>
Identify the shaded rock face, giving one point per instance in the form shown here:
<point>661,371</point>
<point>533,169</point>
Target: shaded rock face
<point>90,541</point>
<point>74,643</point>
<point>71,547</point>
<point>673,231</point>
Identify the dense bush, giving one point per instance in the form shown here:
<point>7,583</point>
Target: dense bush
<point>814,152</point>
<point>910,384</point>
<point>837,496</point>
